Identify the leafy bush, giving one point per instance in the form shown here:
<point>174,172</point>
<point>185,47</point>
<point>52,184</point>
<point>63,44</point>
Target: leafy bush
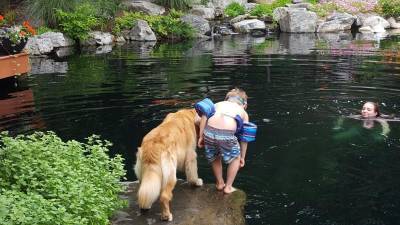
<point>268,9</point>
<point>166,27</point>
<point>176,4</point>
<point>79,23</point>
<point>324,9</point>
<point>46,181</point>
<point>43,29</point>
<point>45,9</point>
<point>262,10</point>
<point>234,9</point>
<point>390,7</point>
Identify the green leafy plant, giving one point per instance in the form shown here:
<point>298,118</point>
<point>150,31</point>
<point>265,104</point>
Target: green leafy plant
<point>234,9</point>
<point>166,27</point>
<point>262,10</point>
<point>44,180</point>
<point>79,23</point>
<point>268,9</point>
<point>390,7</point>
<point>43,29</point>
<point>176,4</point>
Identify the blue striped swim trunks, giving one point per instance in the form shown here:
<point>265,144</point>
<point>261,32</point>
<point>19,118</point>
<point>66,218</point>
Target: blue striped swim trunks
<point>220,142</point>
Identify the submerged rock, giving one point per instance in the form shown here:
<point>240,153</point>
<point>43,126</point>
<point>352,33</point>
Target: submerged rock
<point>190,205</point>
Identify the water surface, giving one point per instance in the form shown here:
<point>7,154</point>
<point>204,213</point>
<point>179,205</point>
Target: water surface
<point>303,169</point>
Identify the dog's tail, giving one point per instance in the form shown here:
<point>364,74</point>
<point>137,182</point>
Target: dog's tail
<point>150,186</point>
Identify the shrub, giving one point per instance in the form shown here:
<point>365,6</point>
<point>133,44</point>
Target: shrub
<point>262,10</point>
<point>390,7</point>
<point>176,4</point>
<point>45,181</point>
<point>165,27</point>
<point>43,29</point>
<point>234,9</point>
<point>45,9</point>
<point>79,23</point>
<point>268,9</point>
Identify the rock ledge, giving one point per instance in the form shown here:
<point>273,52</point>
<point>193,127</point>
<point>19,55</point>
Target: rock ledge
<point>190,205</point>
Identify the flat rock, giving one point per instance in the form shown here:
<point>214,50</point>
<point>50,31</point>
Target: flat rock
<point>190,206</point>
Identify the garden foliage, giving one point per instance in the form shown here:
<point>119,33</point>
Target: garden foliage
<point>390,7</point>
<point>166,27</point>
<point>234,9</point>
<point>79,23</point>
<point>46,181</point>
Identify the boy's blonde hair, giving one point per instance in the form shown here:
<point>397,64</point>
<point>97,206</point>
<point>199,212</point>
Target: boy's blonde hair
<point>237,95</point>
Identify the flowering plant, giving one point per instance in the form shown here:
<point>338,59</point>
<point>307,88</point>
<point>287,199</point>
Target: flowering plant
<point>16,33</point>
<point>14,37</point>
<point>353,6</point>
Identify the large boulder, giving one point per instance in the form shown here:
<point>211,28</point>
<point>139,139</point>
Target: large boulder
<point>190,206</point>
<point>201,25</point>
<point>375,24</point>
<point>47,42</point>
<point>296,20</point>
<point>98,38</point>
<point>143,6</point>
<point>246,26</point>
<point>393,23</point>
<point>337,22</point>
<point>205,12</point>
<point>140,31</point>
<point>39,46</point>
<point>58,39</point>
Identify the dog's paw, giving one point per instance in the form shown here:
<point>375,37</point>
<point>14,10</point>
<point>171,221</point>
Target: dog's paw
<point>167,217</point>
<point>199,182</point>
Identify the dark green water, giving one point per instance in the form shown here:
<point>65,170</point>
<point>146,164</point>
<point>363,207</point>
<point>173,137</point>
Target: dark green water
<point>302,169</point>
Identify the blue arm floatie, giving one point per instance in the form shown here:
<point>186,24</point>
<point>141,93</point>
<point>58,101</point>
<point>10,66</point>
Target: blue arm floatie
<point>205,107</point>
<point>248,132</point>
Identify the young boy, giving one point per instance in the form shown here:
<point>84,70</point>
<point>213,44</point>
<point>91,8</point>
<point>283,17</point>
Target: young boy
<point>217,135</point>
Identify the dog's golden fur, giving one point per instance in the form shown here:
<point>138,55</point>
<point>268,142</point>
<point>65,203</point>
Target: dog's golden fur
<point>165,149</point>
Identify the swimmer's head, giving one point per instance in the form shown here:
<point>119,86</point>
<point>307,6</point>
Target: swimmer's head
<point>370,110</point>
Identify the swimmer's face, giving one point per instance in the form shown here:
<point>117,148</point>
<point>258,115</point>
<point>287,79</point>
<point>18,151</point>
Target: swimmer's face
<point>368,110</point>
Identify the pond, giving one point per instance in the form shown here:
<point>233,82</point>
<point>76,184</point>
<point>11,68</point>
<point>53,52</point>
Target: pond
<point>303,168</point>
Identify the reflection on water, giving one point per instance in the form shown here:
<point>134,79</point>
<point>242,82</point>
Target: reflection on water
<point>301,169</point>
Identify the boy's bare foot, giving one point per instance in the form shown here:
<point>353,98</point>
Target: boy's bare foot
<point>229,190</point>
<point>220,186</point>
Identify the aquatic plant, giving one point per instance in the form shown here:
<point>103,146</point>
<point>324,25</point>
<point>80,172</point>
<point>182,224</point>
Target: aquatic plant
<point>44,180</point>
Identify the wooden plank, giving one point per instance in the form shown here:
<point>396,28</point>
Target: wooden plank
<point>13,65</point>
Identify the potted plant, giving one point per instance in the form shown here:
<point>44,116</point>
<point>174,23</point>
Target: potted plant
<point>13,38</point>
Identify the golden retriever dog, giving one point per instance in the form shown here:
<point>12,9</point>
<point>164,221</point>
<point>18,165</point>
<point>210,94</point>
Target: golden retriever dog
<point>165,149</point>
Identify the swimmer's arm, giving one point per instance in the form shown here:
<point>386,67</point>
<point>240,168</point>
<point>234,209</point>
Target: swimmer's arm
<point>385,127</point>
<point>339,123</point>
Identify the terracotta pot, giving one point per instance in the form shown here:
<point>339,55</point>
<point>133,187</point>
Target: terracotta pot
<point>9,48</point>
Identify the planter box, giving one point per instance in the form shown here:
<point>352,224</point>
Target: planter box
<point>13,65</point>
